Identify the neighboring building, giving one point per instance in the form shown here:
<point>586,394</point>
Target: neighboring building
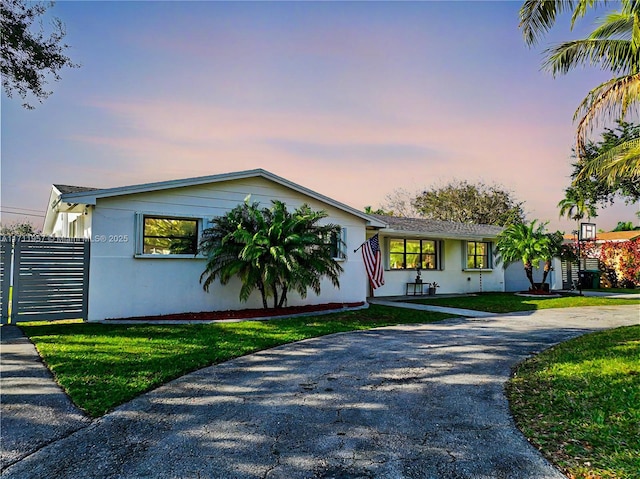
<point>590,262</point>
<point>134,273</point>
<point>458,257</point>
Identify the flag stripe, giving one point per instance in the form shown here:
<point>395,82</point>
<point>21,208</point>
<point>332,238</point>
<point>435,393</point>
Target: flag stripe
<point>373,261</point>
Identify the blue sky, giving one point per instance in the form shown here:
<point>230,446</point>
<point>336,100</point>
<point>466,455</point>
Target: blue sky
<point>351,99</point>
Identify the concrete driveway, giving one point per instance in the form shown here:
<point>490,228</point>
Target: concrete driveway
<point>398,402</point>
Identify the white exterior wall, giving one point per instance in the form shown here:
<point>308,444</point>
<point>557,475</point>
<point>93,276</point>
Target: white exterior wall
<point>452,278</point>
<point>516,279</point>
<point>121,285</point>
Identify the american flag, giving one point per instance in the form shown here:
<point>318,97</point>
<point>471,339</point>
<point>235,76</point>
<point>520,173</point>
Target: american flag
<point>373,261</point>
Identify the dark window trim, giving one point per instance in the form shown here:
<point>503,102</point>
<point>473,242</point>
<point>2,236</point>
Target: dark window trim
<point>437,250</point>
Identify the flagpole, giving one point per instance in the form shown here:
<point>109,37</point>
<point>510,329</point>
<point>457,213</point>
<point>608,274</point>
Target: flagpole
<point>356,250</point>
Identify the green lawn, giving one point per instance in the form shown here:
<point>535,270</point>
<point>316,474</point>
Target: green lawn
<point>509,302</point>
<point>579,403</point>
<point>101,366</point>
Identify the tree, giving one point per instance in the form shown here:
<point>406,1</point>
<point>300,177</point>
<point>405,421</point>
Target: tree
<point>28,57</point>
<point>596,190</point>
<point>614,46</point>
<point>624,226</point>
<point>271,250</point>
<point>575,207</point>
<point>620,262</point>
<point>465,202</point>
<point>400,203</point>
<point>19,228</point>
<point>528,243</point>
<point>370,211</point>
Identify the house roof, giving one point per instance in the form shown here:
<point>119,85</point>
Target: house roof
<point>75,195</point>
<point>611,235</point>
<point>65,189</point>
<point>441,229</point>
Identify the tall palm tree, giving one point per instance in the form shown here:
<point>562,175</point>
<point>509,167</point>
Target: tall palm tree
<point>615,46</point>
<point>528,243</point>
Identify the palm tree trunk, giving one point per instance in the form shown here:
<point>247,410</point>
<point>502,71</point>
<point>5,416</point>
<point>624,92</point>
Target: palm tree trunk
<point>528,269</point>
<point>263,294</point>
<point>274,287</point>
<point>547,268</point>
<point>283,297</point>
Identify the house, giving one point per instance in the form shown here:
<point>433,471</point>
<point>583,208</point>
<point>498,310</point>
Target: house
<point>458,257</point>
<point>135,269</point>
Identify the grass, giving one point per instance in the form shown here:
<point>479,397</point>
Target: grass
<point>509,302</point>
<point>101,366</point>
<point>579,403</point>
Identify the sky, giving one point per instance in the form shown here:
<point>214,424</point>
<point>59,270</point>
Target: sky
<point>350,99</point>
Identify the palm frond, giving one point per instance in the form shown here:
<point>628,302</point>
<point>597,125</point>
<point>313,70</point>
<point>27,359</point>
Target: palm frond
<point>610,99</point>
<point>538,16</point>
<point>617,56</point>
<point>622,161</point>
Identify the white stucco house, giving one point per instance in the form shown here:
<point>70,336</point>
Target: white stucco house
<point>133,273</point>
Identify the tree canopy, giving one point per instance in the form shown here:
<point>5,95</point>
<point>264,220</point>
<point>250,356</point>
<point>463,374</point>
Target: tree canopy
<point>272,250</point>
<point>466,202</point>
<point>29,56</point>
<point>613,46</point>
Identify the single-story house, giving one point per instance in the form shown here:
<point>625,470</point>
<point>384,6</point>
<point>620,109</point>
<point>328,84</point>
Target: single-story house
<point>134,273</point>
<point>458,257</point>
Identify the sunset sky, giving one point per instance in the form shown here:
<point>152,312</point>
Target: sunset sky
<point>350,99</point>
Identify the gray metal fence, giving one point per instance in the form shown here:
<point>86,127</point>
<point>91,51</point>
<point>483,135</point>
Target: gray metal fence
<point>49,281</point>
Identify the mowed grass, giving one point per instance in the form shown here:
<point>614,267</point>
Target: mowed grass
<point>509,302</point>
<point>579,403</point>
<point>101,366</point>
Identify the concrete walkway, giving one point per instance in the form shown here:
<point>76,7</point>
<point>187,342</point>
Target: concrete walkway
<point>467,313</point>
<point>419,401</point>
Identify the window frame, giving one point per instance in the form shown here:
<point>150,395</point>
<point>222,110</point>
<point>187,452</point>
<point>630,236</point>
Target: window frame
<point>488,254</point>
<point>436,254</point>
<point>338,244</point>
<point>140,235</point>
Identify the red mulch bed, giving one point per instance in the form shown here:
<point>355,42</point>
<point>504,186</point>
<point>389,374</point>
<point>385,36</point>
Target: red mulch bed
<point>246,313</point>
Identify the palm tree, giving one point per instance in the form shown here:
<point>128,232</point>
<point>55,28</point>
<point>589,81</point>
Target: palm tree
<point>575,207</point>
<point>272,250</point>
<point>615,46</point>
<point>526,243</point>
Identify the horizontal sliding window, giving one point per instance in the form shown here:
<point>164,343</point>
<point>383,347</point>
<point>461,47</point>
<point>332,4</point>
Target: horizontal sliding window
<point>413,253</point>
<point>165,236</point>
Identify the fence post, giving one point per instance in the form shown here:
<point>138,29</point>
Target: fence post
<point>15,279</point>
<point>5,278</point>
<point>85,280</point>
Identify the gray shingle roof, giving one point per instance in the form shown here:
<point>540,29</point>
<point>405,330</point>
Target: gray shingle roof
<point>64,189</point>
<point>438,228</point>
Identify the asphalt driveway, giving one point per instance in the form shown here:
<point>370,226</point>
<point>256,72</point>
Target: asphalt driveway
<point>398,402</point>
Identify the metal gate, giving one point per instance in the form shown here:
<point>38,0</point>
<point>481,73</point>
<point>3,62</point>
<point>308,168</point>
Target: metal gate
<point>44,279</point>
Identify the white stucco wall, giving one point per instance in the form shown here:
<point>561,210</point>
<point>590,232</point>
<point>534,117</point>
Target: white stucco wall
<point>516,279</point>
<point>122,285</point>
<point>452,278</point>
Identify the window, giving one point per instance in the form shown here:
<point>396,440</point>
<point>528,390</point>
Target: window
<point>337,243</point>
<point>411,253</point>
<point>166,236</point>
<point>478,255</point>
